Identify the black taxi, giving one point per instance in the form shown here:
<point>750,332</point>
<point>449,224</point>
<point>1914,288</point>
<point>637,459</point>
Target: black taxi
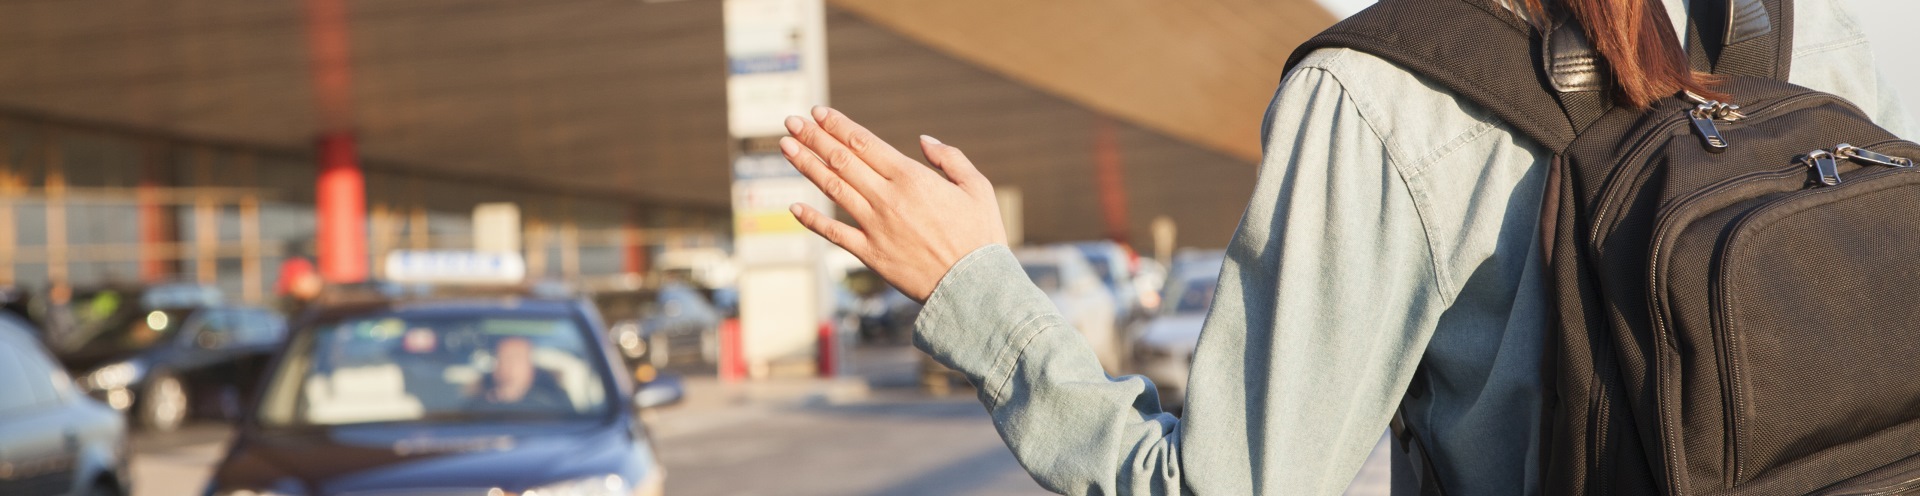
<point>481,396</point>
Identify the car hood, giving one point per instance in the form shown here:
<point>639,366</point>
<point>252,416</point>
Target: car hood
<point>1174,331</point>
<point>387,457</point>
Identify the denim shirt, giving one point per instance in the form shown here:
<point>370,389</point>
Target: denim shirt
<point>1392,231</point>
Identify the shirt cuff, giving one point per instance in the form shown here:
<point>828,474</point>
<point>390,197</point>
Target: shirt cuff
<point>981,315</point>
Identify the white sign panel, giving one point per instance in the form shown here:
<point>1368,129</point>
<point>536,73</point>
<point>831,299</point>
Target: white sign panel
<point>776,67</point>
<point>455,267</point>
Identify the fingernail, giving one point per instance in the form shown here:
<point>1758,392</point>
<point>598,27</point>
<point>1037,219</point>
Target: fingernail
<point>789,146</point>
<point>794,124</point>
<point>795,208</point>
<point>820,112</point>
<point>929,140</point>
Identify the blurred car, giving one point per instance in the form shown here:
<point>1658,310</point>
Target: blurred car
<point>509,395</point>
<point>672,325</point>
<point>1063,273</point>
<point>167,354</point>
<point>1163,352</point>
<point>53,440</point>
<point>1113,263</point>
<point>887,316</point>
<point>1149,278</point>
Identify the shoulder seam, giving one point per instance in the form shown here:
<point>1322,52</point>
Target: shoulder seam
<point>1406,186</point>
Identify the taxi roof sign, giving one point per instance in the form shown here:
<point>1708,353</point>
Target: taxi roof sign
<point>455,267</point>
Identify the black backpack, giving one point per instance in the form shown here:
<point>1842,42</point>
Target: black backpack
<point>1737,283</point>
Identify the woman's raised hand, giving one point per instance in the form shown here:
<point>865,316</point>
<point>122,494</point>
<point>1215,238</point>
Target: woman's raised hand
<point>914,224</point>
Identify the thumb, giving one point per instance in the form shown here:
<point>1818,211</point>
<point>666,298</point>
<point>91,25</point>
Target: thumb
<point>955,164</point>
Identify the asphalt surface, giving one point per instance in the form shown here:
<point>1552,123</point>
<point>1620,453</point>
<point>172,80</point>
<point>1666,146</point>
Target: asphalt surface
<point>797,437</point>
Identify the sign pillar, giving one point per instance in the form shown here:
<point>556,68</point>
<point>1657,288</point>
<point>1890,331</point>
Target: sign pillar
<point>776,67</point>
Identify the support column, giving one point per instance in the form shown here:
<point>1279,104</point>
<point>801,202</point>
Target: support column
<point>340,202</point>
<point>1107,175</point>
<point>9,190</point>
<point>56,209</point>
<point>156,217</point>
<point>340,198</point>
<point>206,221</point>
<point>634,244</point>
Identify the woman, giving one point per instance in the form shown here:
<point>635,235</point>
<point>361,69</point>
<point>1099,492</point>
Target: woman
<point>1392,231</point>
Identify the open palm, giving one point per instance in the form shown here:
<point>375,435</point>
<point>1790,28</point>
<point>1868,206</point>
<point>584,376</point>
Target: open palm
<point>913,222</point>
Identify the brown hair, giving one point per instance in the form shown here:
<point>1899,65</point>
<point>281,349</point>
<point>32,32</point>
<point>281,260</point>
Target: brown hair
<point>1642,52</point>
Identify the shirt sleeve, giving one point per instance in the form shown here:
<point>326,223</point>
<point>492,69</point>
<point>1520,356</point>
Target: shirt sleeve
<point>1326,301</point>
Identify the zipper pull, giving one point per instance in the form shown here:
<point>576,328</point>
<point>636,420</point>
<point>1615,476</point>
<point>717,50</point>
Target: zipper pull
<point>1868,156</point>
<point>1825,170</point>
<point>1710,137</point>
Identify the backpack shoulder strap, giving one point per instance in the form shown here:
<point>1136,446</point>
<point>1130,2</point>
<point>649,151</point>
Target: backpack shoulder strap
<point>1752,38</point>
<point>1548,86</point>
<point>1476,48</point>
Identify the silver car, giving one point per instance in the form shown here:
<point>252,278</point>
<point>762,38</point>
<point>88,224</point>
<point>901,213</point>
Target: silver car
<point>1064,274</point>
<point>1163,352</point>
<point>54,439</point>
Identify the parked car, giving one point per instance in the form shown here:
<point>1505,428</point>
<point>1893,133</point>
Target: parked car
<point>1163,351</point>
<point>1113,263</point>
<point>167,354</point>
<point>887,316</point>
<point>54,441</point>
<point>1063,273</point>
<point>671,325</point>
<point>448,396</point>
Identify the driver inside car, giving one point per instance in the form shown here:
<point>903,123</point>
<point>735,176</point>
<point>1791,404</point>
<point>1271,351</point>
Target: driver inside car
<point>515,384</point>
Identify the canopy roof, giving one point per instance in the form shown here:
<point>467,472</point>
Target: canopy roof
<point>626,98</point>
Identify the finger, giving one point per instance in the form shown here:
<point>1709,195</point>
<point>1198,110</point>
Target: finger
<point>885,160</point>
<point>837,157</point>
<point>836,189</point>
<point>949,159</point>
<point>836,232</point>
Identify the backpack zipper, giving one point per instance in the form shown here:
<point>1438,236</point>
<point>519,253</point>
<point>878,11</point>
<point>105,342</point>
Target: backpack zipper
<point>1645,146</point>
<point>1704,113</point>
<point>1826,171</point>
<point>1826,167</point>
<point>1868,156</point>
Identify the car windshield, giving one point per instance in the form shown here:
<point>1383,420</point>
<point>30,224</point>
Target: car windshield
<point>1195,297</point>
<point>1047,277</point>
<point>105,322</point>
<point>398,368</point>
<point>1102,266</point>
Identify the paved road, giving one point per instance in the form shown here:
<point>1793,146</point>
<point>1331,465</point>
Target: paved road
<point>177,463</point>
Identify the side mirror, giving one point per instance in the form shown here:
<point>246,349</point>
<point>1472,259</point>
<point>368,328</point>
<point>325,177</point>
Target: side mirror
<point>661,391</point>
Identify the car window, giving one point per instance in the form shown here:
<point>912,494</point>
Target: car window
<point>13,377</point>
<point>258,327</point>
<point>211,328</point>
<point>1195,297</point>
<point>27,371</point>
<point>684,302</point>
<point>393,368</point>
<point>1047,277</point>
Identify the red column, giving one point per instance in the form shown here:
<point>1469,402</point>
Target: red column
<point>634,244</point>
<point>1113,193</point>
<point>340,202</point>
<point>155,218</point>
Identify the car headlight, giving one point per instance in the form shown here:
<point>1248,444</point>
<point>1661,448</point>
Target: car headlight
<point>116,376</point>
<point>602,485</point>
